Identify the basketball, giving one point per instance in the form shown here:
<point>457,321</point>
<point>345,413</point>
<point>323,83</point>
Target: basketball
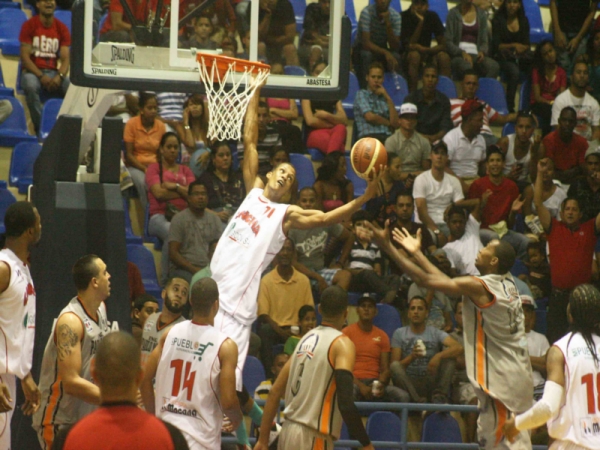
<point>366,155</point>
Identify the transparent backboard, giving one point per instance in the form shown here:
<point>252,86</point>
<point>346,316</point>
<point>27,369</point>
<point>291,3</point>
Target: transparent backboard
<point>152,44</point>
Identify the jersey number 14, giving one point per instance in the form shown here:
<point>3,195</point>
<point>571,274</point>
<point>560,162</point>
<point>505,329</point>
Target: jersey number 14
<point>188,379</point>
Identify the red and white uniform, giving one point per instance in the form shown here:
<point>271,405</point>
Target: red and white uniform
<point>45,41</point>
<point>17,332</point>
<point>577,424</point>
<point>187,384</point>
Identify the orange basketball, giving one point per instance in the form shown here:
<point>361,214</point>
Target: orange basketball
<point>366,155</point>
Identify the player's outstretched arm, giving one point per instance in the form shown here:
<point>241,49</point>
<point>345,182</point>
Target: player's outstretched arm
<point>550,403</point>
<point>250,162</point>
<point>68,335</point>
<point>272,406</point>
<point>147,386</point>
<point>228,356</point>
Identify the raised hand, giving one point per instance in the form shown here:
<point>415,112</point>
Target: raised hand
<point>373,182</point>
<point>381,236</point>
<point>518,204</point>
<point>403,237</point>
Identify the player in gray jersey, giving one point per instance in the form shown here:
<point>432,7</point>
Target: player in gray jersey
<point>494,330</point>
<point>66,386</point>
<point>318,384</point>
<point>175,297</point>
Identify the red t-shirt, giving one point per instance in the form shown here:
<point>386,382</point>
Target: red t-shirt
<point>548,90</point>
<point>571,253</point>
<point>184,177</point>
<point>369,347</point>
<point>45,42</point>
<point>139,10</point>
<point>500,202</point>
<point>565,156</point>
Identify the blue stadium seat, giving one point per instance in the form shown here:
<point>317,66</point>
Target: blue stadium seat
<point>446,86</point>
<point>441,427</point>
<point>394,4</point>
<point>537,33</point>
<point>387,319</point>
<point>543,2</point>
<point>147,237</point>
<point>491,91</point>
<point>541,321</point>
<point>11,21</point>
<point>344,435</point>
<point>519,268</point>
<point>353,36</point>
<point>359,184</point>
<point>351,13</point>
<point>5,91</point>
<point>130,238</point>
<point>64,15</point>
<point>14,129</point>
<point>294,70</point>
<point>396,94</point>
<point>299,11</point>
<point>21,165</point>
<point>253,374</point>
<point>384,426</point>
<point>49,116</point>
<point>440,7</point>
<point>305,173</point>
<point>525,96</point>
<point>6,199</point>
<point>509,128</point>
<point>348,102</point>
<point>13,5</point>
<point>143,259</point>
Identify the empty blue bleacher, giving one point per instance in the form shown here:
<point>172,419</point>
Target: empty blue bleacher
<point>14,129</point>
<point>351,13</point>
<point>299,11</point>
<point>5,91</point>
<point>305,173</point>
<point>49,116</point>
<point>6,199</point>
<point>11,21</point>
<point>447,87</point>
<point>525,96</point>
<point>147,237</point>
<point>508,128</point>
<point>64,16</point>
<point>440,7</point>
<point>441,427</point>
<point>387,319</point>
<point>144,260</point>
<point>253,374</point>
<point>348,102</point>
<point>537,33</point>
<point>384,426</point>
<point>491,91</point>
<point>130,237</point>
<point>294,70</point>
<point>21,165</point>
<point>13,5</point>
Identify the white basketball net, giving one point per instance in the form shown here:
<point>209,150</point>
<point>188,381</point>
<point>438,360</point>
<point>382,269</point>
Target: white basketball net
<point>227,108</point>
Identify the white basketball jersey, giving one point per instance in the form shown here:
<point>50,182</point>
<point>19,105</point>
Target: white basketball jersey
<point>496,344</point>
<point>311,391</point>
<point>187,382</point>
<point>152,333</point>
<point>578,420</point>
<point>17,318</point>
<point>58,407</point>
<point>250,242</point>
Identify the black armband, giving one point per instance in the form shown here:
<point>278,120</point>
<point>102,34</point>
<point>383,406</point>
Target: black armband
<point>345,394</point>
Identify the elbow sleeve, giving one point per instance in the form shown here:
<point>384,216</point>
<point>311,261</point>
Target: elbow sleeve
<point>345,395</point>
<point>543,410</point>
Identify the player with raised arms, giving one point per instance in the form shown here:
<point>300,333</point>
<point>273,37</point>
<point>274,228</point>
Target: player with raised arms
<point>253,237</point>
<point>570,405</point>
<point>495,341</point>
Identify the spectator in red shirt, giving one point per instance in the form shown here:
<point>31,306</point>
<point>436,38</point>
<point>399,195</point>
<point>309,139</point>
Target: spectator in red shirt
<point>500,197</point>
<point>571,244</point>
<point>117,27</point>
<point>566,148</point>
<point>372,357</point>
<point>45,41</point>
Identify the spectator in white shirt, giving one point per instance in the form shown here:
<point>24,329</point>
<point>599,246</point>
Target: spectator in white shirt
<point>538,346</point>
<point>464,243</point>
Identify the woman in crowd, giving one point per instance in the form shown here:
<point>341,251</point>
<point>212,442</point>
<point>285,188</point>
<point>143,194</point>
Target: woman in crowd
<point>281,109</point>
<point>332,187</point>
<point>195,126</point>
<point>325,121</point>
<point>390,186</point>
<point>467,41</point>
<point>225,186</point>
<point>511,46</point>
<point>142,136</point>
<point>548,80</point>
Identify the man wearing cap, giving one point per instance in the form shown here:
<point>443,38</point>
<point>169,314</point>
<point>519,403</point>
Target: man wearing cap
<point>372,357</point>
<point>587,190</point>
<point>566,148</point>
<point>538,346</point>
<point>412,148</point>
<point>418,26</point>
<point>466,147</point>
<point>433,115</point>
<point>469,87</point>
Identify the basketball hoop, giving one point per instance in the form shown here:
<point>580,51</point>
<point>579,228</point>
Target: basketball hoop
<point>228,107</point>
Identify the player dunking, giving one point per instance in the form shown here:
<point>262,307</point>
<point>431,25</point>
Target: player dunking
<point>570,401</point>
<point>254,236</point>
<point>495,342</point>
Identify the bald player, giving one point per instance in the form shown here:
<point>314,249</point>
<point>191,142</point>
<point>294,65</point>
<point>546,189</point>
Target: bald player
<point>118,373</point>
<point>194,366</point>
<point>253,237</point>
<point>494,329</point>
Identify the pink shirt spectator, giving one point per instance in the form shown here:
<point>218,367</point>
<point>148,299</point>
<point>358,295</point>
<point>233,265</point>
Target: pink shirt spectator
<point>280,103</point>
<point>184,177</point>
<point>549,90</point>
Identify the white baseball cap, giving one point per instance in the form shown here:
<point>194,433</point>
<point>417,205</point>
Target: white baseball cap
<point>408,108</point>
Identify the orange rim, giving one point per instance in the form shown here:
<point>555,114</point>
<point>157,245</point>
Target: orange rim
<point>223,64</point>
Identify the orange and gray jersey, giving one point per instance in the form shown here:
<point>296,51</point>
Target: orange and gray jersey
<point>496,346</point>
<point>152,333</point>
<point>310,394</point>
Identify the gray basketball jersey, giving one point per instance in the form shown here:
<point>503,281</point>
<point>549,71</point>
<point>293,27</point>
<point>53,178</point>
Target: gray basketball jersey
<point>152,333</point>
<point>496,346</point>
<point>57,407</point>
<point>311,391</point>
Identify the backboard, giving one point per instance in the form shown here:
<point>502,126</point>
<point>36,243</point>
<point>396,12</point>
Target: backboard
<point>159,52</point>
